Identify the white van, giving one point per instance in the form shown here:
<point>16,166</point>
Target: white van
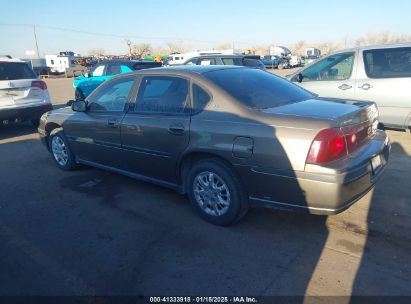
<point>379,73</point>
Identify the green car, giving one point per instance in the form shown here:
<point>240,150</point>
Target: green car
<point>84,85</point>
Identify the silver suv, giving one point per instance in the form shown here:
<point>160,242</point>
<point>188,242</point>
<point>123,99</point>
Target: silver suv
<point>379,73</point>
<point>22,95</point>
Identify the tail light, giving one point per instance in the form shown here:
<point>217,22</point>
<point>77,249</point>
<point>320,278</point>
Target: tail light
<point>39,84</point>
<point>356,134</point>
<point>334,143</point>
<point>328,145</point>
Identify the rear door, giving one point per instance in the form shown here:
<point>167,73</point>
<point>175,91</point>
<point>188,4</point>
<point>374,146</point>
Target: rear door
<point>386,79</point>
<point>156,132</point>
<point>333,76</point>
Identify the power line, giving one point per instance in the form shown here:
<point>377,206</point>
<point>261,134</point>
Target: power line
<point>114,35</point>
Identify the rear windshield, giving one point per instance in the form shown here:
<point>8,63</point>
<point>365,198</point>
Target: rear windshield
<point>15,70</point>
<point>258,89</point>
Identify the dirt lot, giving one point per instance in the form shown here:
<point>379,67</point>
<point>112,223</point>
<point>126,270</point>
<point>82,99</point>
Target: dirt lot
<point>90,232</point>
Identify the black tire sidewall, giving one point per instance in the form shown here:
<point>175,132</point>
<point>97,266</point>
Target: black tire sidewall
<point>71,164</point>
<point>237,196</point>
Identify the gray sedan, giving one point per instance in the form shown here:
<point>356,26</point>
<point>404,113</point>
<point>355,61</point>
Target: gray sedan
<point>228,137</point>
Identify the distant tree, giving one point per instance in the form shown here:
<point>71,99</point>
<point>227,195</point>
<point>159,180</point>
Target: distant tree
<point>98,52</point>
<point>381,38</point>
<point>298,47</point>
<point>223,46</point>
<point>140,50</point>
<point>261,49</point>
<point>178,47</point>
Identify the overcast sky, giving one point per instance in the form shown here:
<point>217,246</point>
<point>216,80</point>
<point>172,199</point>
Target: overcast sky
<point>77,25</point>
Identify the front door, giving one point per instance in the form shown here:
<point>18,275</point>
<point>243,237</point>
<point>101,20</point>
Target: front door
<point>95,135</point>
<point>156,132</point>
<point>333,76</point>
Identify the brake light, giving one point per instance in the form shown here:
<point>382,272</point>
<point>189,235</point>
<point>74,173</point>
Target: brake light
<point>356,134</point>
<point>327,146</point>
<point>39,84</point>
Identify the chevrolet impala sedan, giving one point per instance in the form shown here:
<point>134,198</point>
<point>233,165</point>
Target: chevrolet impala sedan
<point>228,137</point>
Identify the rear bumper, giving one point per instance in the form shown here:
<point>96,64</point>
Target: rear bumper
<point>24,113</point>
<point>329,192</point>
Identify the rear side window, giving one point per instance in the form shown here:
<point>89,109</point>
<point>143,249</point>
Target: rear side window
<point>207,61</point>
<point>15,70</point>
<point>200,98</point>
<point>114,70</point>
<point>388,63</point>
<point>256,88</point>
<point>163,94</point>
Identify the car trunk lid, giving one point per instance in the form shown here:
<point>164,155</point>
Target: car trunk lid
<point>357,121</point>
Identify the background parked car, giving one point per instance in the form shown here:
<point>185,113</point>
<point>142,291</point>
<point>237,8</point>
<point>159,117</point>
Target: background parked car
<point>22,95</point>
<point>380,73</point>
<point>226,136</point>
<point>239,60</point>
<point>104,70</point>
<point>271,62</point>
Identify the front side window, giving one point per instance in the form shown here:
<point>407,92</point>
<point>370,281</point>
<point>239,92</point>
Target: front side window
<point>257,89</point>
<point>112,96</point>
<point>335,67</point>
<point>163,94</point>
<point>98,71</point>
<point>388,63</point>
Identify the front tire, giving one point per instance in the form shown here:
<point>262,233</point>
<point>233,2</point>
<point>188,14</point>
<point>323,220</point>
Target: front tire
<point>61,152</point>
<point>215,192</point>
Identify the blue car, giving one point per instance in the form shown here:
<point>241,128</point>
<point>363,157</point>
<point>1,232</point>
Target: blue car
<point>84,85</point>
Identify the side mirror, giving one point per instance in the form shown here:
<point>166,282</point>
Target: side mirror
<point>79,106</point>
<point>299,77</point>
<point>87,75</point>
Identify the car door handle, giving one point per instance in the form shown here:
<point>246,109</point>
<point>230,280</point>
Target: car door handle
<point>344,87</point>
<point>112,123</point>
<point>365,86</point>
<point>177,129</point>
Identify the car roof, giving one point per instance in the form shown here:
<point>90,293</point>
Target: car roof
<point>127,62</point>
<point>373,46</point>
<point>220,55</point>
<point>187,69</point>
<point>7,58</point>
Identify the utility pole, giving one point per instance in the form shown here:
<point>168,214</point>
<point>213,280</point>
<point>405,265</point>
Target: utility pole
<point>35,38</point>
<point>129,47</point>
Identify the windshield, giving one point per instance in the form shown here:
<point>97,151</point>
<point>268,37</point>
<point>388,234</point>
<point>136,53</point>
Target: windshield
<point>256,88</point>
<point>15,70</point>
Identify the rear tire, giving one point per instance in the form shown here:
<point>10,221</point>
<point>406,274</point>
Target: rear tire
<point>60,150</point>
<point>215,192</point>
